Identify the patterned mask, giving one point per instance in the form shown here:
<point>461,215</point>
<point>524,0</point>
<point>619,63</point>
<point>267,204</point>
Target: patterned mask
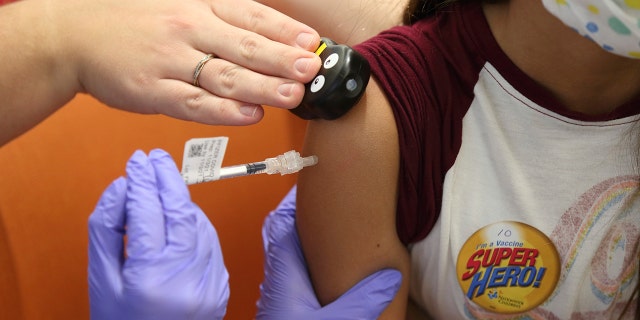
<point>613,24</point>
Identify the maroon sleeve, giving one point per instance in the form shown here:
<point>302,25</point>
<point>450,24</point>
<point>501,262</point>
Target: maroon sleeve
<point>429,95</point>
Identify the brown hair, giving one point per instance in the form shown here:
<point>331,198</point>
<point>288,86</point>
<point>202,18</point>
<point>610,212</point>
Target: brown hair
<point>418,9</point>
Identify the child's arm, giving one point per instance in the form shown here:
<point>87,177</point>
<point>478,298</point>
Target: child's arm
<point>347,202</point>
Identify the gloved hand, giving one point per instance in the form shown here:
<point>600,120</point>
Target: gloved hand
<point>173,267</point>
<point>287,292</point>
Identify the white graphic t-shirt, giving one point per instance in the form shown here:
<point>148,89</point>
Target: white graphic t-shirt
<point>512,206</point>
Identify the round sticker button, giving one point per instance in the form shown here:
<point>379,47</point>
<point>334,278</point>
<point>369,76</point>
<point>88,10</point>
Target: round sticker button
<point>508,267</point>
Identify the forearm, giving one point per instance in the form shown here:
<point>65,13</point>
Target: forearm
<point>345,21</point>
<point>34,80</point>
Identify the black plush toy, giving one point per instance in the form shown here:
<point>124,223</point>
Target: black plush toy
<point>339,84</point>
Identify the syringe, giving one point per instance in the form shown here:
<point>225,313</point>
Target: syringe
<point>287,163</point>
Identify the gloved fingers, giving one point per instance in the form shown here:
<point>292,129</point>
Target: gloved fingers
<point>288,203</point>
<point>211,266</point>
<point>280,233</point>
<point>106,231</point>
<point>274,227</point>
<point>280,220</point>
<point>209,262</point>
<point>286,275</point>
<point>208,249</point>
<point>179,211</point>
<point>368,298</point>
<point>145,218</point>
<point>208,241</point>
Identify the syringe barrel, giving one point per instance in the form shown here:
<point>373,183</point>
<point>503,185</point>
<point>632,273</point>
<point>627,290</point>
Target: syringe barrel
<point>242,170</point>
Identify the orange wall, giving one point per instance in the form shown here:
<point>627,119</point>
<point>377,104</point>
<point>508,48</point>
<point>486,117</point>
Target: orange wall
<point>52,177</point>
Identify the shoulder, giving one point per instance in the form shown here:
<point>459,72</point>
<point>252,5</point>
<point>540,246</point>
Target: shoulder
<point>451,41</point>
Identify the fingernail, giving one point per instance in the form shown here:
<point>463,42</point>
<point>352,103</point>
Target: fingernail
<point>302,64</point>
<point>304,40</point>
<point>286,89</point>
<point>249,110</point>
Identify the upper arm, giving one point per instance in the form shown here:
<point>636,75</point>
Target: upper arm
<point>344,21</point>
<point>347,202</point>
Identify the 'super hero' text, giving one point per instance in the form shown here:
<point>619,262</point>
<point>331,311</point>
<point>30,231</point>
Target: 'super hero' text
<point>485,269</point>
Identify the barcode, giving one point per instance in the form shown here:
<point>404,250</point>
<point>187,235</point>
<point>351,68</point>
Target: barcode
<point>195,150</point>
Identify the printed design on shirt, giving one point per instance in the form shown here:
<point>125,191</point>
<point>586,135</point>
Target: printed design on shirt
<point>508,267</point>
<point>611,209</point>
<point>614,266</point>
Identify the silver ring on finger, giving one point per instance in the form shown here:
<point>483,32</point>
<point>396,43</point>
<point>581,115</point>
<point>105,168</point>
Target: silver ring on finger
<point>199,66</point>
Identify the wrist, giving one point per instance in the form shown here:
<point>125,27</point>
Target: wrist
<point>34,81</point>
<point>57,36</point>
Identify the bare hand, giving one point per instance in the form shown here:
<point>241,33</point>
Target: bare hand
<point>140,56</point>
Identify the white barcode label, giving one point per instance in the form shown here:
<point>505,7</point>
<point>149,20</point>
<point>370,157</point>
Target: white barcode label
<point>202,159</point>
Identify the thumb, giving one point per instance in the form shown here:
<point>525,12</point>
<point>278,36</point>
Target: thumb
<point>106,248</point>
<point>368,298</point>
<point>179,210</point>
<point>146,234</point>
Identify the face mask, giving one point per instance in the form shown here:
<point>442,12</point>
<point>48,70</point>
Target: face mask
<point>612,24</point>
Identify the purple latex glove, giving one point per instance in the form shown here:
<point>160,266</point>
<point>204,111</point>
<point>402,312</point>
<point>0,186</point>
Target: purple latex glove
<point>173,267</point>
<point>287,292</point>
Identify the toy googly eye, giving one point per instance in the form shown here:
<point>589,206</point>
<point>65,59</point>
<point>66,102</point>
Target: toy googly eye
<point>331,61</point>
<point>317,84</point>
